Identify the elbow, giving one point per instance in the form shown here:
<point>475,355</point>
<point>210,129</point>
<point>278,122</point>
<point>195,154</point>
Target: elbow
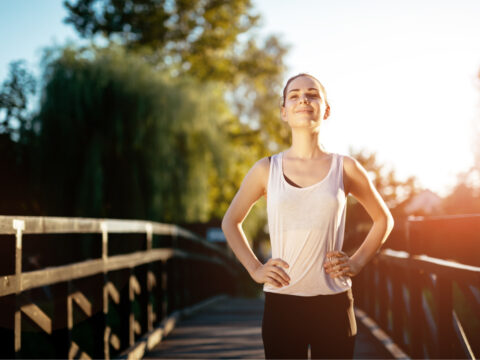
<point>390,222</point>
<point>386,222</point>
<point>385,219</point>
<point>226,223</point>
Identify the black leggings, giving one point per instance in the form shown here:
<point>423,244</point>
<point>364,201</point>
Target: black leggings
<point>325,322</point>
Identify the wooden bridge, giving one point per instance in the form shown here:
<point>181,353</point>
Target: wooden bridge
<point>103,288</point>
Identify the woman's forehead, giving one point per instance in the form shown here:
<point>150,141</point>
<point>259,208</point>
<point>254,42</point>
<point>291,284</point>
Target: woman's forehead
<point>304,83</point>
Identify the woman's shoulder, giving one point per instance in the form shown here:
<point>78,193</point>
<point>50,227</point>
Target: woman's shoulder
<point>349,162</point>
<point>352,170</point>
<point>261,167</point>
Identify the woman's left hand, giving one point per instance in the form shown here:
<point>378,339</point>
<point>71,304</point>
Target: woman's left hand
<point>340,264</point>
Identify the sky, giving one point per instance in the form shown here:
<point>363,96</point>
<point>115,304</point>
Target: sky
<point>401,76</point>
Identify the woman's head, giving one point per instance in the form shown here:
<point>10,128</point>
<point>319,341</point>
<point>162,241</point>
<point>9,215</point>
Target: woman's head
<point>304,96</point>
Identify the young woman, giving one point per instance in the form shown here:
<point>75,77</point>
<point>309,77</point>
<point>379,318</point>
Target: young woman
<point>307,285</point>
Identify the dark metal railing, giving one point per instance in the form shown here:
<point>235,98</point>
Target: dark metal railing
<point>424,287</point>
<point>99,307</point>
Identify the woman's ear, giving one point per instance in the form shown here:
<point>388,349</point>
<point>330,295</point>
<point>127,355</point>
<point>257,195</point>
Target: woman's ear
<point>283,113</point>
<point>327,112</point>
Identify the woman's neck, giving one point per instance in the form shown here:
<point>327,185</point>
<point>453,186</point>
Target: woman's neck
<point>305,144</point>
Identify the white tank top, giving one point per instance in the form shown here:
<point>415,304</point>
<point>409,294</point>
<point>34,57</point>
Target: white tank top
<point>305,223</point>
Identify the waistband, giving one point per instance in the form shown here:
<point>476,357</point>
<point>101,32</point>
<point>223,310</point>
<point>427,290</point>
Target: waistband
<point>308,299</point>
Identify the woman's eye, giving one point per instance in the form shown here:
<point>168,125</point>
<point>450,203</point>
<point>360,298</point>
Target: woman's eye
<point>293,97</point>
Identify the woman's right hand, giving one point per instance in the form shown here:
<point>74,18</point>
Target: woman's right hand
<point>272,273</point>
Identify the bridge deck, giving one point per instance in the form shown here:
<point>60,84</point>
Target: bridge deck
<point>232,329</point>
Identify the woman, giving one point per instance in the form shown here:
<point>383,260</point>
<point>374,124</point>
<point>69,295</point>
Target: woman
<point>307,285</point>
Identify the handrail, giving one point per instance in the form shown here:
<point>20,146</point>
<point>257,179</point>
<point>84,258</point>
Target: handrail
<point>160,280</point>
<point>428,305</point>
<point>60,225</point>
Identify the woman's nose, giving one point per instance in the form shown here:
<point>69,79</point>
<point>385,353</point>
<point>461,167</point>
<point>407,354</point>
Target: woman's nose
<point>304,99</point>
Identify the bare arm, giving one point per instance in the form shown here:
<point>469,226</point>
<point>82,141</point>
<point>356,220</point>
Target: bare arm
<point>364,191</point>
<point>253,187</point>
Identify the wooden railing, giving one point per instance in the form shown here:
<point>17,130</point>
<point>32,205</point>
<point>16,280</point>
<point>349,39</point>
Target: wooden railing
<point>101,306</point>
<point>424,287</point>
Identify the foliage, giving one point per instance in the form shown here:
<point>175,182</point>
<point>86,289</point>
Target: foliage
<point>14,95</point>
<point>196,35</point>
<point>208,40</point>
<point>16,140</point>
<point>134,144</point>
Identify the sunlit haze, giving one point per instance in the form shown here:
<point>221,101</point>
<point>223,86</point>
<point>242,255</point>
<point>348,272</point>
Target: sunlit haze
<point>400,77</point>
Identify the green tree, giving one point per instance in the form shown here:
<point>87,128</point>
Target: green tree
<point>199,36</point>
<point>120,139</point>
<point>15,93</point>
<point>210,40</point>
<point>16,139</point>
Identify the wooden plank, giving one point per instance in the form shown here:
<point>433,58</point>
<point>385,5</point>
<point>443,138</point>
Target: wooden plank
<point>55,225</point>
<point>82,302</point>
<point>86,268</point>
<point>462,337</point>
<point>450,269</point>
<point>36,314</point>
<point>112,292</point>
<point>115,341</point>
<point>134,286</point>
<point>136,327</point>
<point>75,353</point>
<point>42,225</point>
<point>18,330</point>
<point>151,280</point>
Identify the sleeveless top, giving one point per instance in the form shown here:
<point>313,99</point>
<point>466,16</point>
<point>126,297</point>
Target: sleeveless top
<point>304,224</point>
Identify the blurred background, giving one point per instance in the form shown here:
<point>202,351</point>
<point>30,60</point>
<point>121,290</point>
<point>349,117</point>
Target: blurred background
<point>157,109</point>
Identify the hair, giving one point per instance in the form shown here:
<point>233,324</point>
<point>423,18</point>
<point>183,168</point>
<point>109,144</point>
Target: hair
<point>324,93</point>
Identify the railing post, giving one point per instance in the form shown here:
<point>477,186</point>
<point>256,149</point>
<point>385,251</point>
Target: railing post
<point>77,287</point>
<point>19,226</point>
<point>134,289</point>
<point>398,306</point>
<point>416,310</point>
<point>107,329</point>
<point>150,280</point>
<point>383,297</point>
<point>445,331</point>
<point>165,298</point>
<point>60,323</point>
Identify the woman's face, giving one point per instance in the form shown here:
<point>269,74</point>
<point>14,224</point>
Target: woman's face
<point>304,103</point>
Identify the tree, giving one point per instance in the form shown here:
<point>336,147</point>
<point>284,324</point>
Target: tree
<point>209,40</point>
<point>15,93</point>
<point>200,37</point>
<point>120,139</point>
<point>16,140</point>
